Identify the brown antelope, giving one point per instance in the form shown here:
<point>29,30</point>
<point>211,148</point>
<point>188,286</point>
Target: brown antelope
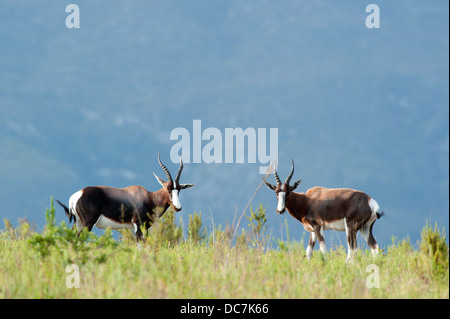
<point>321,208</point>
<point>128,207</point>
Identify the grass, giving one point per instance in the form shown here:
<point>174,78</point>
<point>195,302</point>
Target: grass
<point>35,265</point>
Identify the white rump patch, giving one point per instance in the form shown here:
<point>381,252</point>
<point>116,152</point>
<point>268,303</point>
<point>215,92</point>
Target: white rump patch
<point>281,201</point>
<point>73,200</point>
<point>176,200</point>
<point>374,206</point>
<point>105,222</point>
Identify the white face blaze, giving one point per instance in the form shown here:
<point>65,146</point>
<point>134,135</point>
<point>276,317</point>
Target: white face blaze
<point>176,200</point>
<point>281,201</point>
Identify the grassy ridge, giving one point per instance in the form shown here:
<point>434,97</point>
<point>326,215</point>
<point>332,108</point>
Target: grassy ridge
<point>38,265</point>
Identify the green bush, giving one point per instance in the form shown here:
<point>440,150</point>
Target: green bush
<point>433,244</point>
<point>258,227</point>
<point>196,231</point>
<point>165,231</point>
<point>60,239</point>
<point>221,236</point>
<point>23,231</point>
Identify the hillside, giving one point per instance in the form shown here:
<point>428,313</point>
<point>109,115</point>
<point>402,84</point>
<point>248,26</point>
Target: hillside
<point>354,107</point>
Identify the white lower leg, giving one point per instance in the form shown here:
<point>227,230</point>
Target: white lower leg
<point>349,246</point>
<point>323,247</point>
<point>309,249</point>
<point>375,250</point>
<point>309,252</point>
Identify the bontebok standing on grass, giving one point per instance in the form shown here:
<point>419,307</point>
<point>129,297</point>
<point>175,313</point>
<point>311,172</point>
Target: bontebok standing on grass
<point>323,208</point>
<point>128,207</point>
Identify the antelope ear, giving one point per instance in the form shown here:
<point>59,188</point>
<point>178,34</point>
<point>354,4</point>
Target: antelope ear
<point>270,186</point>
<point>159,180</point>
<point>186,186</point>
<point>296,184</point>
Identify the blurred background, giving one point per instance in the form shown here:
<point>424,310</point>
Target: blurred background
<point>354,107</point>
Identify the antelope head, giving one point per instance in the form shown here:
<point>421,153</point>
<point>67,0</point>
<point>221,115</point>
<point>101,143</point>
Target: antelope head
<point>283,189</point>
<point>173,187</point>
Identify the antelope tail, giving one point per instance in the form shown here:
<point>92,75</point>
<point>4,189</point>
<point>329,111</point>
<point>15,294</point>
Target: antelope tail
<point>68,214</point>
<point>380,214</point>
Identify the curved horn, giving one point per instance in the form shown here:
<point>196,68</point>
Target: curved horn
<point>179,171</point>
<point>277,178</point>
<point>288,179</point>
<point>169,177</point>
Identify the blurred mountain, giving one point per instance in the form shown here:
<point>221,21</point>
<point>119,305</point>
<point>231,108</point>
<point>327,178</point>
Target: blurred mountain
<point>354,107</point>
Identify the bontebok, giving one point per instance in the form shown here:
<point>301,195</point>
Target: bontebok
<point>128,207</point>
<point>323,208</point>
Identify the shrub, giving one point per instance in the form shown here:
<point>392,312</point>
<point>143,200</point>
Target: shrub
<point>23,231</point>
<point>222,236</point>
<point>196,231</point>
<point>68,242</point>
<point>434,245</point>
<point>164,230</point>
<point>257,224</point>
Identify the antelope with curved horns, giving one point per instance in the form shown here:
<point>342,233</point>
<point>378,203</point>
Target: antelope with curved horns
<point>128,207</point>
<point>321,208</point>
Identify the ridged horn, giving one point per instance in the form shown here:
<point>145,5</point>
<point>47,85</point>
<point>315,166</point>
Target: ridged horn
<point>288,179</point>
<point>180,169</point>
<point>169,177</point>
<point>277,178</point>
